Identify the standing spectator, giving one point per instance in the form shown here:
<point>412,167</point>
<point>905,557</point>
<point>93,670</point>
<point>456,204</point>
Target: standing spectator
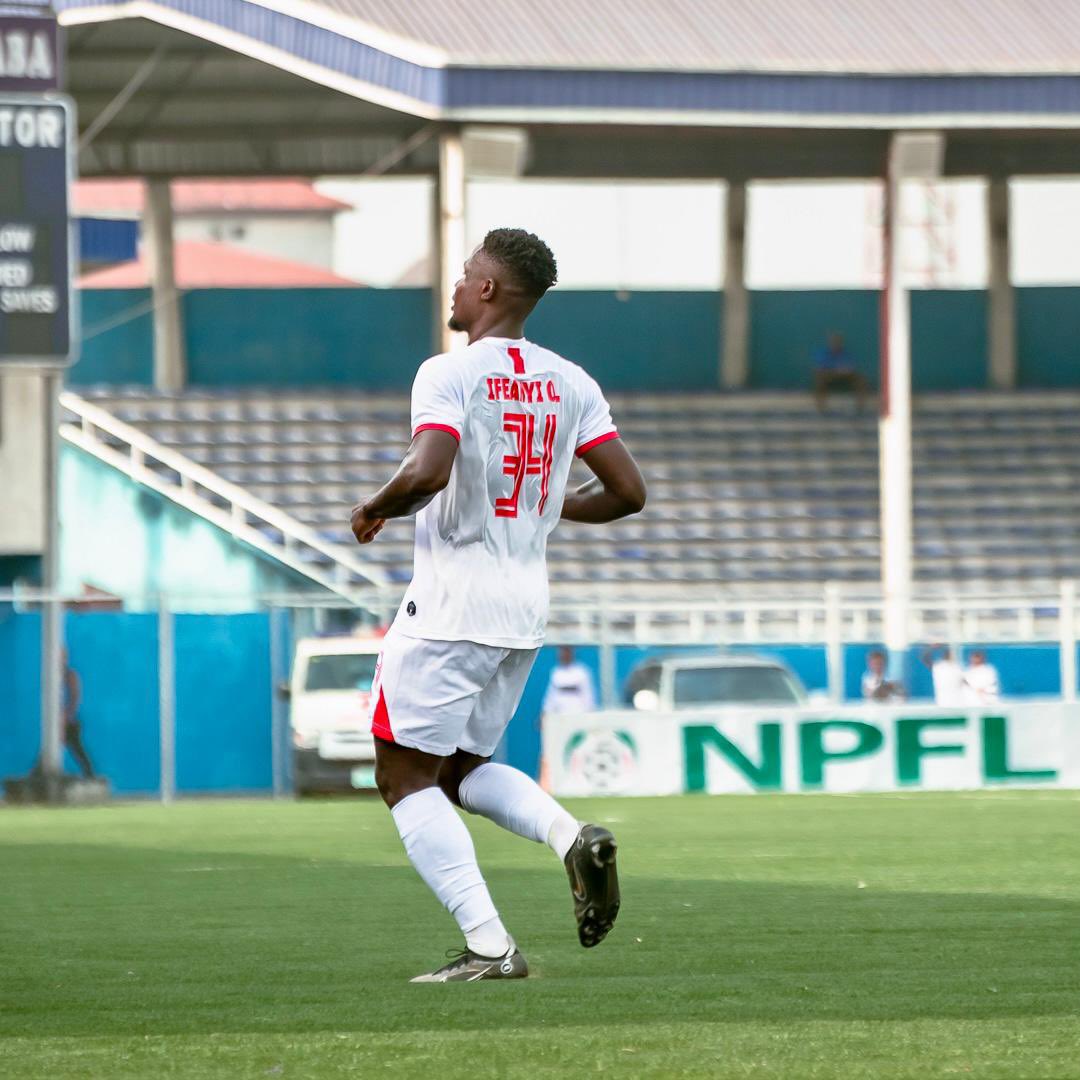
<point>570,688</point>
<point>834,366</point>
<point>70,699</point>
<point>875,687</point>
<point>982,685</point>
<point>948,676</point>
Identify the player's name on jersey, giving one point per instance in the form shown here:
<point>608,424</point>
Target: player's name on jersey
<point>32,127</point>
<point>528,390</point>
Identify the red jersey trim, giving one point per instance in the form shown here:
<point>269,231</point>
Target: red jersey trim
<point>519,361</point>
<point>380,722</point>
<point>438,427</point>
<point>586,447</point>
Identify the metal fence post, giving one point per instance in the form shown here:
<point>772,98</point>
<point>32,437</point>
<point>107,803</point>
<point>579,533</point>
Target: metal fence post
<point>279,672</point>
<point>607,661</point>
<point>834,642</point>
<point>1067,631</point>
<point>167,702</point>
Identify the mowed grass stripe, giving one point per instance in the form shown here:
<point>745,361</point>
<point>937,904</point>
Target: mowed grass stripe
<point>765,936</point>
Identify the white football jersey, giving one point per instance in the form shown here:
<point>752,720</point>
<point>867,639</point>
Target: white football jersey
<point>520,414</point>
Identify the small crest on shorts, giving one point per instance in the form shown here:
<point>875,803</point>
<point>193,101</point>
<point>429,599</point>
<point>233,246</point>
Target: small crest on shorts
<point>410,607</point>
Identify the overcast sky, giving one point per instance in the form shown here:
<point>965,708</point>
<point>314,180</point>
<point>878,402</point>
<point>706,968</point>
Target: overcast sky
<point>669,235</point>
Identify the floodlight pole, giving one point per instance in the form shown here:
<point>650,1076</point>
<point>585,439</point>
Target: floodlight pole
<point>894,429</point>
<point>52,610</point>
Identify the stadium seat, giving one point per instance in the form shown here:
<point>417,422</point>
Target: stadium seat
<point>770,492</point>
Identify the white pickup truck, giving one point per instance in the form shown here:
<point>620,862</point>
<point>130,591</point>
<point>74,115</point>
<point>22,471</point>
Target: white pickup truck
<point>330,691</point>
<point>667,683</point>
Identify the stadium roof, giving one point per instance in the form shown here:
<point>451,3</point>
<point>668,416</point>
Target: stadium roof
<point>125,198</point>
<point>248,87</point>
<point>202,265</point>
<point>944,37</point>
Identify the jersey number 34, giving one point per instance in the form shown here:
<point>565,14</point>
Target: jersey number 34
<point>522,461</point>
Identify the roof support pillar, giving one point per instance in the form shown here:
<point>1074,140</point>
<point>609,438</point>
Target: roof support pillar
<point>1002,300</point>
<point>894,430</point>
<point>170,362</point>
<point>735,357</point>
<point>449,234</point>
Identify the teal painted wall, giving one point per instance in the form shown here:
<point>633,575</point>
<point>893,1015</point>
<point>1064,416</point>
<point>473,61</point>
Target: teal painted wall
<point>119,348</point>
<point>659,340</point>
<point>787,327</point>
<point>134,543</point>
<point>948,339</point>
<point>1048,337</point>
<point>375,338</point>
<point>15,568</point>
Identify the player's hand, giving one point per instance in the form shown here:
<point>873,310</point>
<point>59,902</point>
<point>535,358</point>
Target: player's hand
<point>365,528</point>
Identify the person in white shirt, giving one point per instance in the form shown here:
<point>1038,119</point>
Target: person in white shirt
<point>948,675</point>
<point>875,685</point>
<point>496,426</point>
<point>570,686</point>
<point>981,682</point>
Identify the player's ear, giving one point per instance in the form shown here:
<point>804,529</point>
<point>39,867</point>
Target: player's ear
<point>488,290</point>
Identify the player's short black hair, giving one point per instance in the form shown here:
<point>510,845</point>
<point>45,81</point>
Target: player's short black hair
<point>527,258</point>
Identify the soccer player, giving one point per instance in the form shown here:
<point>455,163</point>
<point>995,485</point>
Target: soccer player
<point>495,428</point>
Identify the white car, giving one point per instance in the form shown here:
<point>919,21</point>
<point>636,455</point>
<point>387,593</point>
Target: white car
<point>669,683</point>
<point>330,692</point>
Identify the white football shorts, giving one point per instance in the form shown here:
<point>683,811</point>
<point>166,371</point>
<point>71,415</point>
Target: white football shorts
<point>442,696</point>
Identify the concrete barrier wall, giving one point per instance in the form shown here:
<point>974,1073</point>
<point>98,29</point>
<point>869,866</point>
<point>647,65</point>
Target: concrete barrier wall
<point>662,341</point>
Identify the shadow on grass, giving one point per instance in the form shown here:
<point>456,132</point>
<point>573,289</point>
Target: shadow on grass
<point>119,940</point>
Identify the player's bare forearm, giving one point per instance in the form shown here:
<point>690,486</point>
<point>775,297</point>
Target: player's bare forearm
<point>594,504</point>
<point>422,474</point>
<point>617,489</point>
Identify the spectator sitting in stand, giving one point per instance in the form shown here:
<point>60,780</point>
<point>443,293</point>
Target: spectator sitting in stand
<point>834,366</point>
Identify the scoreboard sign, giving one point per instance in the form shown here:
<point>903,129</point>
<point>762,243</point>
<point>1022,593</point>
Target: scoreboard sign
<point>29,53</point>
<point>35,233</point>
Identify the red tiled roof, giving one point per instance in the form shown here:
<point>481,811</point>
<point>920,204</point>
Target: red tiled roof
<point>218,266</point>
<point>205,196</point>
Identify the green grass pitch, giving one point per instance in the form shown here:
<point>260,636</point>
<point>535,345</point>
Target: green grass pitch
<point>802,936</point>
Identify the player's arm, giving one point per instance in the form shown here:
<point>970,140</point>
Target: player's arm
<point>617,489</point>
<point>422,474</point>
<point>930,654</point>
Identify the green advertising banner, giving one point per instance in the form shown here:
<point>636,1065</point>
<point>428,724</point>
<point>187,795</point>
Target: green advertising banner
<point>846,749</point>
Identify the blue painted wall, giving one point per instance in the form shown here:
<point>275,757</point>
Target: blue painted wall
<point>116,657</point>
<point>224,685</point>
<point>20,693</point>
<point>223,703</point>
<point>107,240</point>
<point>639,340</point>
<point>1048,337</point>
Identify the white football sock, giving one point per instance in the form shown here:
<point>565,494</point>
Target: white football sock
<point>513,800</point>
<point>439,846</point>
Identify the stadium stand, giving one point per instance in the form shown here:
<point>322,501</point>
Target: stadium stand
<point>753,489</point>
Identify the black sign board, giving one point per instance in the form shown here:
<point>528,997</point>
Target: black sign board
<point>29,53</point>
<point>35,232</point>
